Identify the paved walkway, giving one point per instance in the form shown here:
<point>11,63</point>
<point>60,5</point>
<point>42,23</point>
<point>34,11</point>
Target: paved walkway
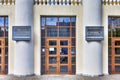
<point>61,77</point>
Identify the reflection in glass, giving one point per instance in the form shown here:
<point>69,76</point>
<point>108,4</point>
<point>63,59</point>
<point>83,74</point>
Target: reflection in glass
<point>1,32</point>
<point>73,68</point>
<point>43,50</point>
<point>43,59</point>
<point>73,42</point>
<point>73,32</point>
<point>64,43</point>
<point>52,50</point>
<point>64,21</point>
<point>52,43</point>
<point>72,50</point>
<point>64,32</point>
<point>1,21</point>
<point>6,69</point>
<point>63,60</point>
<point>52,68</point>
<point>43,22</point>
<point>6,59</point>
<point>117,43</point>
<point>63,68</point>
<point>73,20</point>
<point>117,68</point>
<point>52,60</point>
<point>52,32</point>
<point>117,50</point>
<point>43,41</point>
<point>42,69</point>
<point>73,59</point>
<point>117,59</point>
<point>51,21</point>
<point>6,21</point>
<point>64,51</point>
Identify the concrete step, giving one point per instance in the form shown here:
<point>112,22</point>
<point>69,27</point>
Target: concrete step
<point>60,77</point>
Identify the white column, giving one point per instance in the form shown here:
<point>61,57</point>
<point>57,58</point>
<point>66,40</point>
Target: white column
<point>24,55</point>
<point>92,54</point>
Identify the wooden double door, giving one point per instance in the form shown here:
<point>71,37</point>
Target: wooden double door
<point>58,56</point>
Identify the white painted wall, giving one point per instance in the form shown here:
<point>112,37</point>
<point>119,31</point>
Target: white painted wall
<point>60,10</point>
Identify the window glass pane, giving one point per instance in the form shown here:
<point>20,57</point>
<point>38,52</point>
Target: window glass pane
<point>1,21</point>
<point>64,21</point>
<point>73,42</point>
<point>51,21</point>
<point>52,51</point>
<point>6,31</point>
<point>73,59</point>
<point>63,68</point>
<point>63,60</point>
<point>109,69</point>
<point>117,43</point>
<point>116,32</point>
<point>64,51</point>
<point>109,59</point>
<point>43,22</point>
<point>42,32</point>
<point>51,32</point>
<point>1,32</point>
<point>109,41</point>
<point>43,50</point>
<point>43,59</point>
<point>64,32</point>
<point>73,20</point>
<point>117,59</point>
<point>43,41</point>
<point>6,21</point>
<point>73,68</point>
<point>52,60</point>
<point>52,43</point>
<point>73,32</point>
<point>109,51</point>
<point>42,69</point>
<point>6,41</point>
<point>6,59</point>
<point>73,50</point>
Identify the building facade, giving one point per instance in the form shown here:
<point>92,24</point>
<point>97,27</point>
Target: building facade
<point>58,42</point>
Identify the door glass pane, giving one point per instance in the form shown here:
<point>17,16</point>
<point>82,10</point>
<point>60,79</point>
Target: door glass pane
<point>0,51</point>
<point>6,21</point>
<point>116,32</point>
<point>73,50</point>
<point>6,69</point>
<point>43,22</point>
<point>52,60</point>
<point>63,60</point>
<point>64,21</point>
<point>43,33</point>
<point>52,43</point>
<point>117,68</point>
<point>109,51</point>
<point>51,32</point>
<point>73,59</point>
<point>52,68</point>
<point>52,51</point>
<point>117,59</point>
<point>109,69</point>
<point>117,50</point>
<point>64,32</point>
<point>64,51</point>
<point>51,21</point>
<point>6,59</point>
<point>0,59</point>
<point>117,43</point>
<point>63,68</point>
<point>6,31</point>
<point>64,43</point>
<point>109,59</point>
